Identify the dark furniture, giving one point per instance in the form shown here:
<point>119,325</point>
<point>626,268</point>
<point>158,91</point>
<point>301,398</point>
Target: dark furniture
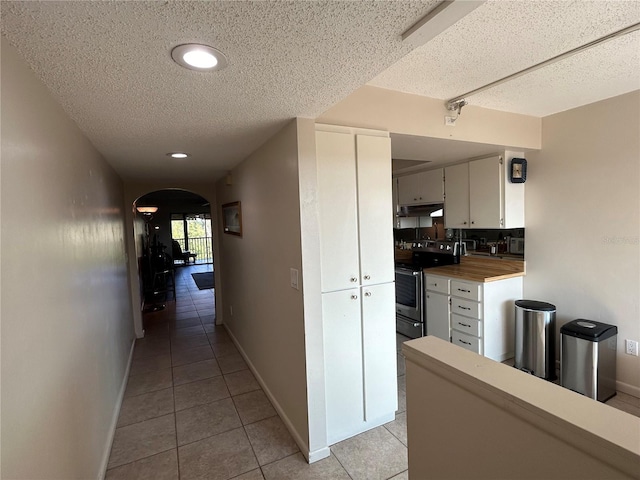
<point>179,254</point>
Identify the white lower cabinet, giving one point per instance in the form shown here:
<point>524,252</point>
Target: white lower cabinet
<point>466,341</point>
<point>437,306</point>
<point>438,315</point>
<point>481,315</point>
<point>360,359</point>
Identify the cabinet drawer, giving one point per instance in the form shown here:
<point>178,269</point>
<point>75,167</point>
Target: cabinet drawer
<point>467,308</point>
<point>436,284</point>
<point>466,341</point>
<point>467,325</point>
<point>470,291</point>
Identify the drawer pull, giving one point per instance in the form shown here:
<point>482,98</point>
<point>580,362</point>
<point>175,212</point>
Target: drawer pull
<point>464,308</point>
<point>464,324</point>
<point>465,291</point>
<point>367,277</point>
<point>367,294</point>
<point>462,341</point>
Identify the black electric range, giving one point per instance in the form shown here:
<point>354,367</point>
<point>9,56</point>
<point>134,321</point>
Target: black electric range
<point>410,302</point>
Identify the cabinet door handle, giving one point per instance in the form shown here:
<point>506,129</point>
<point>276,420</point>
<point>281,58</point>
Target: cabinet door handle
<point>465,291</point>
<point>462,341</point>
<point>464,223</point>
<point>367,277</point>
<point>464,324</point>
<point>354,279</point>
<point>473,223</point>
<point>367,294</point>
<point>354,297</point>
<point>464,308</point>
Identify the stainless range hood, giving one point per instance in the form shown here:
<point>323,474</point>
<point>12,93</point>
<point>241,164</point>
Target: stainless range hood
<point>427,210</point>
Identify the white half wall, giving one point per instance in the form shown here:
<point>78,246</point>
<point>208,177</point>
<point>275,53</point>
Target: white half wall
<point>67,326</point>
<point>261,309</point>
<point>583,221</point>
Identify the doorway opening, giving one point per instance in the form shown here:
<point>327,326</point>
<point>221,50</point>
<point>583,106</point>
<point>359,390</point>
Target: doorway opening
<point>174,245</point>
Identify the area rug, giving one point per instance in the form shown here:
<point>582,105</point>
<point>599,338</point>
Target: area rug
<point>203,280</point>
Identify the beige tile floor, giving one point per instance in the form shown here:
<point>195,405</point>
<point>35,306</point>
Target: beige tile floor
<point>193,410</point>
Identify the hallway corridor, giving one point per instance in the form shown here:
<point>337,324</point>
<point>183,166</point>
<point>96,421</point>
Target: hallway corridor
<point>193,410</point>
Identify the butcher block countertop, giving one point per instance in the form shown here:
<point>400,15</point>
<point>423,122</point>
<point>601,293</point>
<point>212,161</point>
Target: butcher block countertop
<point>478,269</point>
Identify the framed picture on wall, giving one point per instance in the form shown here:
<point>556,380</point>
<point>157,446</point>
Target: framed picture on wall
<point>232,218</point>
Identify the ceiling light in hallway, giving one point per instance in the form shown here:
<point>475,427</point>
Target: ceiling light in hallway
<point>202,58</point>
<point>147,210</point>
<point>178,155</point>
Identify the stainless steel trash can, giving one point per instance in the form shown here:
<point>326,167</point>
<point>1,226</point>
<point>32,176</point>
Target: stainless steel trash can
<point>536,338</point>
<point>588,358</point>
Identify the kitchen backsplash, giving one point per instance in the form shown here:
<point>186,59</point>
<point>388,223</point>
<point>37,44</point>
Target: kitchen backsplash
<point>482,237</point>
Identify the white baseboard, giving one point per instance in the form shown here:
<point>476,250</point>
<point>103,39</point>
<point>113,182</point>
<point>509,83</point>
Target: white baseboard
<point>318,454</point>
<point>628,389</point>
<point>116,414</point>
<point>302,444</point>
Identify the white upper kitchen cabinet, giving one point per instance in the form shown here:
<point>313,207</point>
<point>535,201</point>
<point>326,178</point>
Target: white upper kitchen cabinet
<point>421,188</point>
<point>479,195</point>
<point>355,191</point>
<point>456,201</point>
<point>486,193</point>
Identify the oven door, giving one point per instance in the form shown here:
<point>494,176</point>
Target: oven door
<point>409,328</point>
<point>409,294</point>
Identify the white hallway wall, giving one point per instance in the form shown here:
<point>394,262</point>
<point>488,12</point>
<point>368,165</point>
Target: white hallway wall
<point>67,326</point>
<point>583,220</point>
<point>268,314</point>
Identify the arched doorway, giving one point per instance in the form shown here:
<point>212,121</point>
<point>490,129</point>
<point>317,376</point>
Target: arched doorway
<point>174,249</point>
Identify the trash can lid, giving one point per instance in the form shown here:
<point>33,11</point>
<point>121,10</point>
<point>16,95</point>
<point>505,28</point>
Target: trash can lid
<point>535,305</point>
<point>589,330</point>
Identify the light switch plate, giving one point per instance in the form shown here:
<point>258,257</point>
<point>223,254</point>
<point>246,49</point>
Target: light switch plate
<point>294,278</point>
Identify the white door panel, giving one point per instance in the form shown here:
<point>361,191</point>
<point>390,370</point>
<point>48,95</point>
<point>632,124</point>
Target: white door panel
<point>380,373</point>
<point>343,359</point>
<point>374,192</point>
<point>336,157</point>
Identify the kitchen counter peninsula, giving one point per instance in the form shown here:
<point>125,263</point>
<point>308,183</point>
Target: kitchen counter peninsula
<point>479,269</point>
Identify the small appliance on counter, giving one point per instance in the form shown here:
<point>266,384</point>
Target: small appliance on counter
<point>516,246</point>
<point>410,306</point>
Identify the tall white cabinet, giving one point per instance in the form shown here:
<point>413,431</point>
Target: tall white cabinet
<point>357,279</point>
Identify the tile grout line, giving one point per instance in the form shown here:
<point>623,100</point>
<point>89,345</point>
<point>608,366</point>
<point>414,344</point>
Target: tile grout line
<point>175,413</point>
<point>338,460</point>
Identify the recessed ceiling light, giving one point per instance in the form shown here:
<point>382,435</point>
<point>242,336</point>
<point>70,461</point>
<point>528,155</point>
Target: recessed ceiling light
<point>202,58</point>
<point>178,155</point>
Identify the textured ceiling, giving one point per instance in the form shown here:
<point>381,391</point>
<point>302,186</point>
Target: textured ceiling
<point>108,63</point>
<point>502,37</point>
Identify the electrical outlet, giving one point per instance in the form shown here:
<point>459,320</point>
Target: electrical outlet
<point>631,347</point>
<point>449,121</point>
<point>294,278</point>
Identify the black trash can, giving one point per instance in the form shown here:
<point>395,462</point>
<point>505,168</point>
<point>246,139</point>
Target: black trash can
<point>536,338</point>
<point>588,358</point>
